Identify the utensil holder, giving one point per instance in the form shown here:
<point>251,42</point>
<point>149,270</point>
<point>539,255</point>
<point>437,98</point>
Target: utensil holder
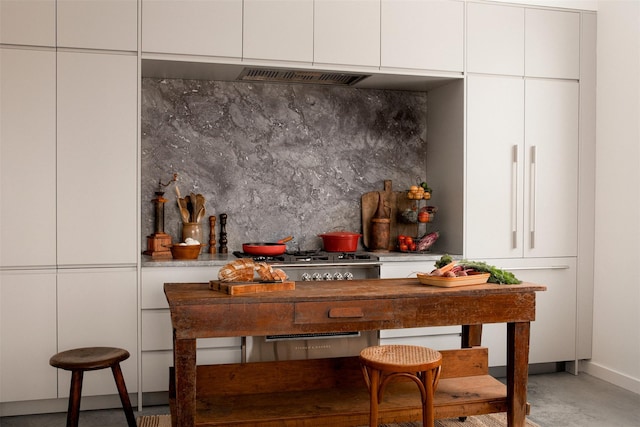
<point>193,230</point>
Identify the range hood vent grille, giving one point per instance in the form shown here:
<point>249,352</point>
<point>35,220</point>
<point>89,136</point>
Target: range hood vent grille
<point>299,76</point>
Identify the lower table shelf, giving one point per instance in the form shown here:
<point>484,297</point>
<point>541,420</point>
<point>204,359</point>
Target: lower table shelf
<point>332,392</point>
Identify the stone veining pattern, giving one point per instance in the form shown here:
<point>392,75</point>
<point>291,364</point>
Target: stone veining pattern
<point>277,159</point>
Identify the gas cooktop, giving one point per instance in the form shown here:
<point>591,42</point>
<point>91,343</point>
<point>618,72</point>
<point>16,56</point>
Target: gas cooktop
<point>318,257</point>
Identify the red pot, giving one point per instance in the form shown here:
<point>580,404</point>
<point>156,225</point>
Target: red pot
<point>340,241</point>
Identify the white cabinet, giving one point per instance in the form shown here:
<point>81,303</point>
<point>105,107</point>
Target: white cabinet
<point>552,44</point>
<point>27,157</point>
<point>28,331</point>
<point>513,40</point>
<point>553,333</point>
<point>157,341</point>
<point>422,34</point>
<point>192,27</point>
<point>280,30</point>
<point>98,24</point>
<point>28,22</point>
<point>521,191</point>
<point>97,159</point>
<point>347,32</point>
<point>98,307</point>
<point>495,39</point>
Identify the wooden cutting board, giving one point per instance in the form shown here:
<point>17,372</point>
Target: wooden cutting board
<point>239,288</point>
<point>396,202</point>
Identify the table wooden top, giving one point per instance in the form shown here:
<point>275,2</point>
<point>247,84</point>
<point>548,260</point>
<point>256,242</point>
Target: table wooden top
<point>180,294</point>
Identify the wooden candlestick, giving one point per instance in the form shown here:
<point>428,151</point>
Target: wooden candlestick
<point>212,234</point>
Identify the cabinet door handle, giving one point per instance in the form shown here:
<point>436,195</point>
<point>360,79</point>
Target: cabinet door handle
<point>514,198</point>
<point>345,312</point>
<point>532,197</point>
<point>549,267</point>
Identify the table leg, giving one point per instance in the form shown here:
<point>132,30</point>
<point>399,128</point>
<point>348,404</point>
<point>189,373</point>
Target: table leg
<point>517,372</point>
<point>184,362</point>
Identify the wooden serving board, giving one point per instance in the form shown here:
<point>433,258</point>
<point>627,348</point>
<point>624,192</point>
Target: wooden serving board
<point>452,282</point>
<point>239,288</point>
<point>396,202</point>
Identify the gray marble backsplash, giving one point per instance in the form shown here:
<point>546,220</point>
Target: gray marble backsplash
<point>279,160</point>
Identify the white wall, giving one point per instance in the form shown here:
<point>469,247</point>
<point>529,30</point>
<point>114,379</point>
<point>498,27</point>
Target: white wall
<point>616,317</point>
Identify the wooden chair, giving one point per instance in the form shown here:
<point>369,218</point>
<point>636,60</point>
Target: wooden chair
<point>90,359</point>
<point>381,364</point>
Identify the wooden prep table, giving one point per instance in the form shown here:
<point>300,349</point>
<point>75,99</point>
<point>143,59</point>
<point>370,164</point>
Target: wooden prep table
<point>330,392</point>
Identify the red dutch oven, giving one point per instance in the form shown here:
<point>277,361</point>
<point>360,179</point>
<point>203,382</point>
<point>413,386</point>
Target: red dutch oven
<point>340,241</point>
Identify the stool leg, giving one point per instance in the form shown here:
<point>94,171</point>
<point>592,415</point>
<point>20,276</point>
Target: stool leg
<point>374,397</point>
<point>124,396</point>
<point>73,413</point>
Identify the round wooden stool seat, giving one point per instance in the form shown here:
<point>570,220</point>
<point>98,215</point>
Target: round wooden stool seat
<point>381,364</point>
<point>77,361</point>
<point>88,358</point>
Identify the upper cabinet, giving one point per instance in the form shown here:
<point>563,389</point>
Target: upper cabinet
<point>512,40</point>
<point>347,32</point>
<point>98,24</point>
<point>422,34</point>
<point>552,44</point>
<point>211,28</point>
<point>279,30</point>
<point>28,22</point>
<point>495,39</point>
<point>27,157</point>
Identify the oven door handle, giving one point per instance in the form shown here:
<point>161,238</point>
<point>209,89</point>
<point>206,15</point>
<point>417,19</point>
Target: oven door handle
<point>345,312</point>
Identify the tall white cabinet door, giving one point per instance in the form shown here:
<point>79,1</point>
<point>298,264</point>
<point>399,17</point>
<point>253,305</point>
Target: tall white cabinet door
<point>28,331</point>
<point>97,159</point>
<point>495,39</point>
<point>551,159</point>
<point>347,32</point>
<point>98,307</point>
<point>279,30</point>
<point>27,157</point>
<point>98,24</point>
<point>552,44</point>
<point>28,22</point>
<point>422,34</point>
<point>494,157</point>
<point>211,28</point>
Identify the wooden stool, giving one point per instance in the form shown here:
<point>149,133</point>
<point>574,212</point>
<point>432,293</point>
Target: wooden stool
<point>380,364</point>
<point>90,359</point>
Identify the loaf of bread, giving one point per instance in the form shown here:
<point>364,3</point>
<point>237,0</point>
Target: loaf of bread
<point>240,270</point>
<point>244,270</point>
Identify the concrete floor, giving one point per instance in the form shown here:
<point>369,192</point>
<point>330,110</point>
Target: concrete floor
<point>557,400</point>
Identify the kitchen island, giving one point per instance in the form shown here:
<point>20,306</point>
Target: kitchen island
<point>267,393</point>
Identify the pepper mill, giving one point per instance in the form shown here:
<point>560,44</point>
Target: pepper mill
<point>223,234</point>
<point>380,227</point>
<point>212,234</point>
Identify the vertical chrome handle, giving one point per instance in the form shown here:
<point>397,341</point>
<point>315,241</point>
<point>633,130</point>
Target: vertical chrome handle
<point>514,197</point>
<point>532,197</point>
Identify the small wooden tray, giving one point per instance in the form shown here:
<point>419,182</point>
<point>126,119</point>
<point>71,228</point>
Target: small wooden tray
<point>238,288</point>
<point>451,282</point>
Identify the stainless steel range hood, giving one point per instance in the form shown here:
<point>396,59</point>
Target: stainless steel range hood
<point>378,79</point>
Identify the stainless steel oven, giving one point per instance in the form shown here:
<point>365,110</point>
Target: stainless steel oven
<point>318,267</point>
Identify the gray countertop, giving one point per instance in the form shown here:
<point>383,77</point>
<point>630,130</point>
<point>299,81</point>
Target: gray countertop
<point>209,260</point>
